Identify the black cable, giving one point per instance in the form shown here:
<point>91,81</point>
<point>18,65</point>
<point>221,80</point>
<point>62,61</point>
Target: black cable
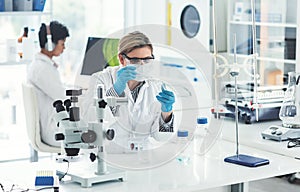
<point>56,189</point>
<point>12,187</point>
<point>2,187</point>
<point>61,177</point>
<point>293,142</point>
<point>297,81</point>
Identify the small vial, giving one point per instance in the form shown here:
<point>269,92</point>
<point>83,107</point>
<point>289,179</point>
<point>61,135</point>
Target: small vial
<point>182,141</point>
<point>199,134</point>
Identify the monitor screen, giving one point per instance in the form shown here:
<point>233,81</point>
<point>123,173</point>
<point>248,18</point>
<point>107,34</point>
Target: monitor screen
<point>99,53</point>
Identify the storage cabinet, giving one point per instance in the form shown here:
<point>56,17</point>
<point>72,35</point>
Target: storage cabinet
<point>276,36</point>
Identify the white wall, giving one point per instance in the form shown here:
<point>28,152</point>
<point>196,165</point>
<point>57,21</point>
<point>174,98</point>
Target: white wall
<point>138,12</point>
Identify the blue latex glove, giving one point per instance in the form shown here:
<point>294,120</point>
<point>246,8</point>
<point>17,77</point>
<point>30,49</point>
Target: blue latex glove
<point>123,76</point>
<point>166,98</point>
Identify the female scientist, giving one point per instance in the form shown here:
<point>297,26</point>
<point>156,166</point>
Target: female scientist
<point>44,76</point>
<point>149,109</point>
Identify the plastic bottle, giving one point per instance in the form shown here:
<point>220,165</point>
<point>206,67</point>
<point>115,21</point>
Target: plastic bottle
<point>20,42</point>
<point>199,134</point>
<point>35,37</point>
<point>30,45</point>
<point>182,142</point>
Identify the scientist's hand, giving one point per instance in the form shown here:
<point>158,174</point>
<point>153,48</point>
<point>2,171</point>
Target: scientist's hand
<point>123,76</point>
<point>166,98</point>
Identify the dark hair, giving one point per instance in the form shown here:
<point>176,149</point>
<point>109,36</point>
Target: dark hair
<point>58,32</point>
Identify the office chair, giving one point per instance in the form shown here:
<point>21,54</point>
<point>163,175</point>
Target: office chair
<point>33,125</point>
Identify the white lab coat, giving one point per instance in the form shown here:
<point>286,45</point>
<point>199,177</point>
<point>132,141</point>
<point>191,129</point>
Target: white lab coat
<point>138,120</point>
<point>45,77</point>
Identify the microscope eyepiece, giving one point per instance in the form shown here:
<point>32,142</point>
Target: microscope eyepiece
<point>67,103</point>
<point>58,104</point>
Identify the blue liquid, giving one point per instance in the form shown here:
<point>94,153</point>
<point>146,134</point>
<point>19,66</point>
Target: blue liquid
<point>183,159</point>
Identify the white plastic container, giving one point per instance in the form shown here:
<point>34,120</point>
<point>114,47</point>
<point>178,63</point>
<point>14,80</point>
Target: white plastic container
<point>8,5</point>
<point>182,142</point>
<point>22,5</point>
<point>30,45</point>
<point>199,135</point>
<point>11,50</point>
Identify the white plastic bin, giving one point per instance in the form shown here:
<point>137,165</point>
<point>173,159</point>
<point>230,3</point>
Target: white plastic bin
<point>22,5</point>
<point>8,4</point>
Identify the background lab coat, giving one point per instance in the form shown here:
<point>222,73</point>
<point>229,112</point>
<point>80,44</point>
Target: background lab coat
<point>137,120</point>
<point>46,78</point>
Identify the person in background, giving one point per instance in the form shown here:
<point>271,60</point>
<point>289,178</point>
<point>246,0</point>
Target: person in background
<point>149,109</point>
<point>44,76</point>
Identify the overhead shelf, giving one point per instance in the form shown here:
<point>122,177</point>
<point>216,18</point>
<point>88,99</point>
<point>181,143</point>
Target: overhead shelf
<point>266,58</point>
<point>14,63</point>
<point>24,13</point>
<point>268,24</point>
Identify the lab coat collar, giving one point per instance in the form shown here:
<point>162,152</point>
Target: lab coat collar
<point>141,92</point>
<point>45,59</point>
<point>146,84</point>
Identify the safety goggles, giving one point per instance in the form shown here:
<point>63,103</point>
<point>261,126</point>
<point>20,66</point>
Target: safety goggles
<point>136,60</point>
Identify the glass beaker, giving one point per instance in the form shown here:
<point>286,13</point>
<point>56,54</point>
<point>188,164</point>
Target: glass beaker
<point>290,110</point>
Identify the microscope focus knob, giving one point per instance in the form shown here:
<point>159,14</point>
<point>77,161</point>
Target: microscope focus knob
<point>93,157</point>
<point>59,137</point>
<point>110,134</point>
<point>102,104</point>
<point>89,137</point>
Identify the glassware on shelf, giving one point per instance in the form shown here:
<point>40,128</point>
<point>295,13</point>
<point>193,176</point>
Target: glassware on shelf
<point>290,111</point>
<point>20,42</point>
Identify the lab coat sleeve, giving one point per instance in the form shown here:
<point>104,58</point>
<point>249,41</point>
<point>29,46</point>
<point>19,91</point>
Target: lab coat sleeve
<point>166,126</point>
<point>161,131</point>
<point>111,92</point>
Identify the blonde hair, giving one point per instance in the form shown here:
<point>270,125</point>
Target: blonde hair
<point>133,41</point>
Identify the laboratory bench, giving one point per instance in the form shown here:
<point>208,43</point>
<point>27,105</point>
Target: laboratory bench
<point>250,135</point>
<point>207,172</point>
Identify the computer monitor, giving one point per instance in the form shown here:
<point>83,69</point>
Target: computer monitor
<point>99,53</point>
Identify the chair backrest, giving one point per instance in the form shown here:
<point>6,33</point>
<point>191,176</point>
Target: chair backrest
<point>32,120</point>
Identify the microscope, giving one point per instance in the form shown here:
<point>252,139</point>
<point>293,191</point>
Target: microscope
<point>76,135</point>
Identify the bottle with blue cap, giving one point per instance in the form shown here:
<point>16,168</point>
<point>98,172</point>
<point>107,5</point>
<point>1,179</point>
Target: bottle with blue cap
<point>183,141</point>
<point>199,134</point>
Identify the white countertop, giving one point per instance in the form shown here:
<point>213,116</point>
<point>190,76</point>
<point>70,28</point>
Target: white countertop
<point>201,172</point>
